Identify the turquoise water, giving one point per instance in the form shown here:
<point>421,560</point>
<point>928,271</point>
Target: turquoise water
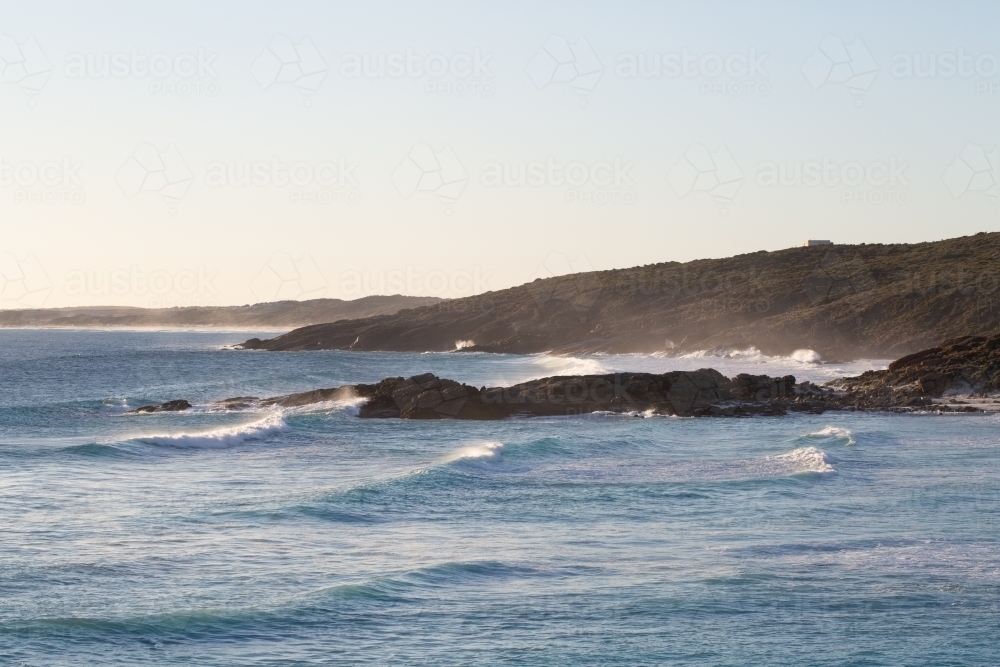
<point>312,537</point>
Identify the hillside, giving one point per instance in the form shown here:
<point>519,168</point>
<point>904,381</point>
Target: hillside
<point>278,314</point>
<point>844,301</point>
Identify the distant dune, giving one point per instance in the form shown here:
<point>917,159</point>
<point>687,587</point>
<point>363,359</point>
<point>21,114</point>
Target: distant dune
<point>278,314</point>
<point>843,301</point>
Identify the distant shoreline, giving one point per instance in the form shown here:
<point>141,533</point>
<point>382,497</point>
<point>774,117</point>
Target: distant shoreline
<point>275,316</point>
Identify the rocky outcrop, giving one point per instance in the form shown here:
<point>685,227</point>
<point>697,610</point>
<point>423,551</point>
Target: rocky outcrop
<point>704,392</point>
<point>427,397</point>
<point>968,366</point>
<point>169,406</point>
<point>962,366</point>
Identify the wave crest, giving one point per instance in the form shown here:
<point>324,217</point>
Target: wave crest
<point>216,438</point>
<point>479,450</point>
<point>805,459</point>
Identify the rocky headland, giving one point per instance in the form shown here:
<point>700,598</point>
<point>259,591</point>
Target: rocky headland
<point>843,301</point>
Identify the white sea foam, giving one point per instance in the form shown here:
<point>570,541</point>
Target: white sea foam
<point>834,432</point>
<point>566,365</point>
<point>803,364</point>
<point>478,450</point>
<point>749,353</point>
<point>462,344</point>
<point>752,354</point>
<point>226,436</point>
<point>807,356</point>
<point>804,459</point>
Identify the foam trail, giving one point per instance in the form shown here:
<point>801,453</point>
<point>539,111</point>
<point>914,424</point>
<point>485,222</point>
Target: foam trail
<point>220,437</point>
<point>479,450</point>
<point>834,432</point>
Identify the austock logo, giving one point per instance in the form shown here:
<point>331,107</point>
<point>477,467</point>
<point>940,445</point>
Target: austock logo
<point>559,280</point>
<point>181,74</point>
<point>733,74</point>
<point>984,67</point>
<point>459,74</point>
<point>460,283</point>
<point>325,182</point>
<point>23,64</point>
<point>974,170</point>
<point>713,172</point>
<point>150,170</point>
<point>601,182</point>
<point>23,281</point>
<point>54,181</point>
<point>559,62</point>
<point>187,287</point>
<point>284,277</point>
<point>834,62</point>
<point>427,170</point>
<point>297,64</point>
<point>837,277</point>
<point>874,182</point>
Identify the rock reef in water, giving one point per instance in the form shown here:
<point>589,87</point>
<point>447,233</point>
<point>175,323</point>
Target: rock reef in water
<point>698,393</point>
<point>704,392</point>
<point>169,406</point>
<point>966,367</point>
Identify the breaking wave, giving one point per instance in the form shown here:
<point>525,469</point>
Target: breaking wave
<point>220,437</point>
<point>754,355</point>
<point>807,356</point>
<point>803,459</point>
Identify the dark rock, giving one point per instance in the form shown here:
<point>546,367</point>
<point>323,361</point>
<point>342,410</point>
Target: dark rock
<point>310,397</point>
<point>169,406</point>
<point>909,384</point>
<point>970,364</point>
<point>684,393</point>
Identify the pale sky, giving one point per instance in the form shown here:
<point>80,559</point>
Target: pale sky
<point>199,153</point>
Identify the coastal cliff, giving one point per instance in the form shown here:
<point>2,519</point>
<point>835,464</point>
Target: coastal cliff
<point>848,301</point>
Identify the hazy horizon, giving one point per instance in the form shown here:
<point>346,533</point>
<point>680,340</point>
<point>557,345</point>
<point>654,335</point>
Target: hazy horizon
<point>187,155</point>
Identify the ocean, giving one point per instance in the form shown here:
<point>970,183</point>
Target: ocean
<point>308,536</point>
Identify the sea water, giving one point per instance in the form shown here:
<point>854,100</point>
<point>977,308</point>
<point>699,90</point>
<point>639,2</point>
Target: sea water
<point>309,536</point>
